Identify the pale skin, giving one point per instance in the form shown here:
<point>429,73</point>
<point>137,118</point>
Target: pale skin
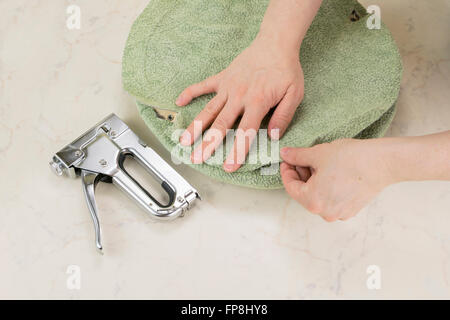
<point>333,180</point>
<point>336,180</point>
<point>265,75</point>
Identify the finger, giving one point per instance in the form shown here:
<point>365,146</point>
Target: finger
<point>303,157</point>
<point>214,136</point>
<point>304,173</point>
<point>284,112</point>
<point>245,134</point>
<point>331,218</point>
<point>203,120</point>
<point>288,172</point>
<point>203,87</point>
<point>296,188</point>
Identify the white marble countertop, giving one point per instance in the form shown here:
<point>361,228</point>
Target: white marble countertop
<point>237,243</point>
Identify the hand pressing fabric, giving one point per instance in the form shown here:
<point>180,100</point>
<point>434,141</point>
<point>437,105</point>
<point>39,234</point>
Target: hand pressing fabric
<point>267,74</point>
<point>260,78</point>
<point>336,180</point>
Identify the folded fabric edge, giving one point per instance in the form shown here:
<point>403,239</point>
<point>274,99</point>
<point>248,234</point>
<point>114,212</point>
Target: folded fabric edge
<point>254,179</point>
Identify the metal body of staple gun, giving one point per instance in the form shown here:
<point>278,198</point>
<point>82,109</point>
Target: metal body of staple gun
<point>98,155</point>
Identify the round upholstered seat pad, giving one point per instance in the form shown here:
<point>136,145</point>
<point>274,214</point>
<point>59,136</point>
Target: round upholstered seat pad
<point>352,73</point>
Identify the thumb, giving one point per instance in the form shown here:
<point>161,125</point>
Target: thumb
<point>195,90</point>
<point>303,157</point>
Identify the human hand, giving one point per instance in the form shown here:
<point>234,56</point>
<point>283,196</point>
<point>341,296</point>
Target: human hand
<point>336,180</point>
<point>261,77</point>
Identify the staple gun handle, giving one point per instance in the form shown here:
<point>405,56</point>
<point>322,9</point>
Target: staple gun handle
<point>89,182</point>
<point>133,189</point>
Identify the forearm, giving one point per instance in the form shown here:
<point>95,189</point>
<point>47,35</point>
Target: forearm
<point>418,158</point>
<point>286,22</point>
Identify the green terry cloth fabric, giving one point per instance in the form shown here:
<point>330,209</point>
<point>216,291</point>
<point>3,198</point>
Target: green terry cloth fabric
<point>352,73</point>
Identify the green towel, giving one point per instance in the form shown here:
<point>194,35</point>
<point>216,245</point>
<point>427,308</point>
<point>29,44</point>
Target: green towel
<point>352,73</point>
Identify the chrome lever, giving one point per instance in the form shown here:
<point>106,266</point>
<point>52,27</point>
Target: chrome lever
<point>89,181</point>
<point>98,155</point>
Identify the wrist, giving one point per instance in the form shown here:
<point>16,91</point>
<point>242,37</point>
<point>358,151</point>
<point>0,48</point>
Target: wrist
<point>403,158</point>
<point>385,158</point>
<point>286,22</point>
<point>286,45</point>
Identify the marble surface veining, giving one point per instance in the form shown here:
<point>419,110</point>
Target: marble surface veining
<point>237,243</point>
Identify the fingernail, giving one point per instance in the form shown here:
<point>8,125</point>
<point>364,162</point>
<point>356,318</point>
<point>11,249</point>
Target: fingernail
<point>179,100</point>
<point>197,156</point>
<point>185,140</point>
<point>284,151</point>
<point>275,133</point>
<point>228,167</point>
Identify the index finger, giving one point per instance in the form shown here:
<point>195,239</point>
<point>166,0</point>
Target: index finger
<point>294,186</point>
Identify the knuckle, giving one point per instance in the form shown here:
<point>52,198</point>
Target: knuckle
<point>239,89</point>
<point>242,88</point>
<point>203,84</point>
<point>208,82</point>
<point>210,107</point>
<point>319,147</point>
<point>340,142</point>
<point>300,94</point>
<point>219,76</point>
<point>330,218</point>
<point>315,206</point>
<point>188,91</point>
<point>257,99</point>
<point>281,118</point>
<point>220,124</point>
<point>245,131</point>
